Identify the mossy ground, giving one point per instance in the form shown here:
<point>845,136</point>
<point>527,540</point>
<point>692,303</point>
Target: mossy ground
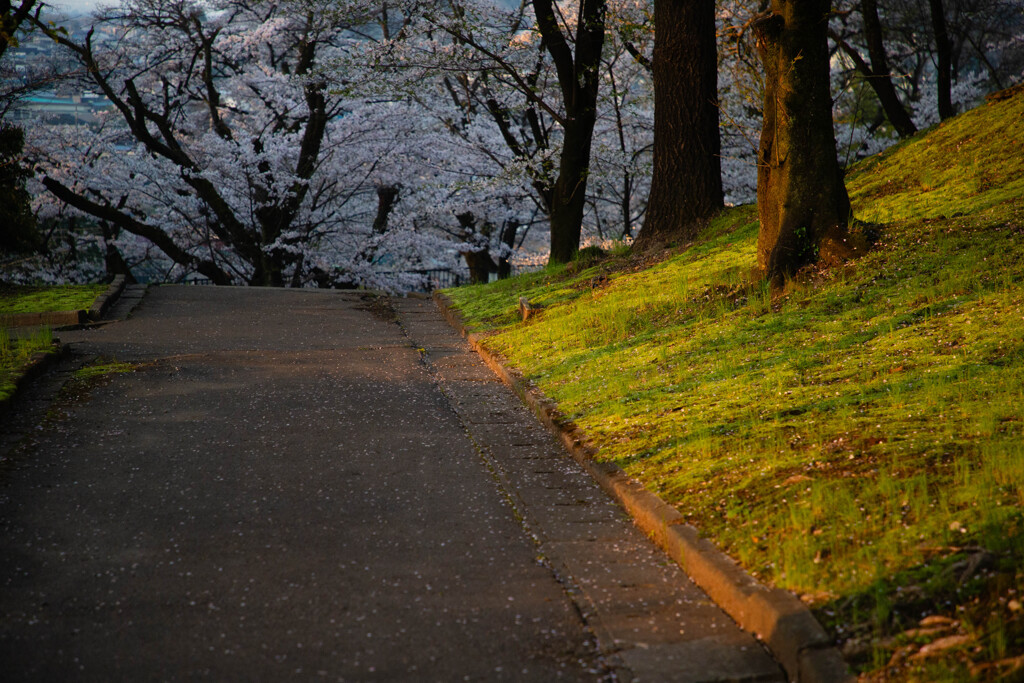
<point>858,438</point>
<point>30,299</point>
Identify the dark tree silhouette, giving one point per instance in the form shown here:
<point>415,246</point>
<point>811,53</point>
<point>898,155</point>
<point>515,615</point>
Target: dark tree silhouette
<point>877,72</point>
<point>19,224</point>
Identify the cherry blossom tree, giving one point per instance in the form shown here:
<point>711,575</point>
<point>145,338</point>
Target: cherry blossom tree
<point>546,58</point>
<point>226,149</point>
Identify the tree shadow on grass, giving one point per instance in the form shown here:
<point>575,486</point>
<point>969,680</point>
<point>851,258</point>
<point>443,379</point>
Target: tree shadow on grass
<point>957,616</point>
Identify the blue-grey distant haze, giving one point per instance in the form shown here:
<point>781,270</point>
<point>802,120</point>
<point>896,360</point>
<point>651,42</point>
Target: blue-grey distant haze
<point>76,6</point>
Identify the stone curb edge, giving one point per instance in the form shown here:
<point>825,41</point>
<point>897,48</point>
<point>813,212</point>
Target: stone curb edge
<point>69,318</point>
<point>38,364</point>
<point>777,617</point>
<point>54,319</point>
<point>105,300</point>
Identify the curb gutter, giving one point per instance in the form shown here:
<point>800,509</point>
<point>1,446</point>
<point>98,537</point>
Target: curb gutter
<point>68,318</point>
<point>777,617</point>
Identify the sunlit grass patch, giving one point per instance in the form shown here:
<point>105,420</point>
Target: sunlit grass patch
<point>31,299</point>
<point>856,439</point>
<point>961,166</point>
<point>103,368</point>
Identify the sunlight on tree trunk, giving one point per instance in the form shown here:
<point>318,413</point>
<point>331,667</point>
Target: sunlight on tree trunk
<point>801,198</point>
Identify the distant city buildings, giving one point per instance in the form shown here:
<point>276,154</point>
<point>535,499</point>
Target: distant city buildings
<point>32,75</point>
<point>78,109</point>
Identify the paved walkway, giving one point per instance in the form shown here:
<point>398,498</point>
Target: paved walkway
<point>304,485</point>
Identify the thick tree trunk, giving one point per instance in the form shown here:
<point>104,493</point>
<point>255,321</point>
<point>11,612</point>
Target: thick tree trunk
<point>943,58</point>
<point>686,185</point>
<point>479,261</point>
<point>481,265</point>
<point>268,271</point>
<point>879,75</point>
<point>801,198</point>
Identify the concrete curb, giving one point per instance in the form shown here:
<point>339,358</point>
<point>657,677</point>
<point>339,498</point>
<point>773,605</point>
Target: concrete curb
<point>68,318</point>
<point>38,364</point>
<point>777,617</point>
<point>105,300</point>
<point>49,319</point>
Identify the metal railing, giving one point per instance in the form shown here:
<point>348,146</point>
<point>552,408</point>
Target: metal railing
<point>439,278</point>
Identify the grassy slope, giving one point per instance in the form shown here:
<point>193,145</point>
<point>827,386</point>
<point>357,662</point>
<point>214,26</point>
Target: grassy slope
<point>858,440</point>
<point>25,299</point>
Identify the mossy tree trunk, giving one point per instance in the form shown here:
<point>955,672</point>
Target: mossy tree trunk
<point>801,198</point>
<point>686,184</point>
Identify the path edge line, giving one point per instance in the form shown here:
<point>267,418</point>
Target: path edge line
<point>777,617</point>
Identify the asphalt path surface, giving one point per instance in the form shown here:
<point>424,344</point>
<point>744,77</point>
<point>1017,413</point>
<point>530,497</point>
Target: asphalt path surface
<point>306,485</point>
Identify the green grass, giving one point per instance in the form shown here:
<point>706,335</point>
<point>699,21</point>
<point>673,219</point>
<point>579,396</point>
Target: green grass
<point>16,353</point>
<point>857,439</point>
<point>102,369</point>
<point>29,299</point>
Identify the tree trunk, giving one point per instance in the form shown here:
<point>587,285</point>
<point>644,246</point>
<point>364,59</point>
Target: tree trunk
<point>508,238</point>
<point>571,187</point>
<point>112,258</point>
<point>880,76</point>
<point>387,195</point>
<point>943,58</point>
<point>578,78</point>
<point>686,185</point>
<point>481,265</point>
<point>479,261</point>
<point>801,198</point>
<point>268,270</point>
